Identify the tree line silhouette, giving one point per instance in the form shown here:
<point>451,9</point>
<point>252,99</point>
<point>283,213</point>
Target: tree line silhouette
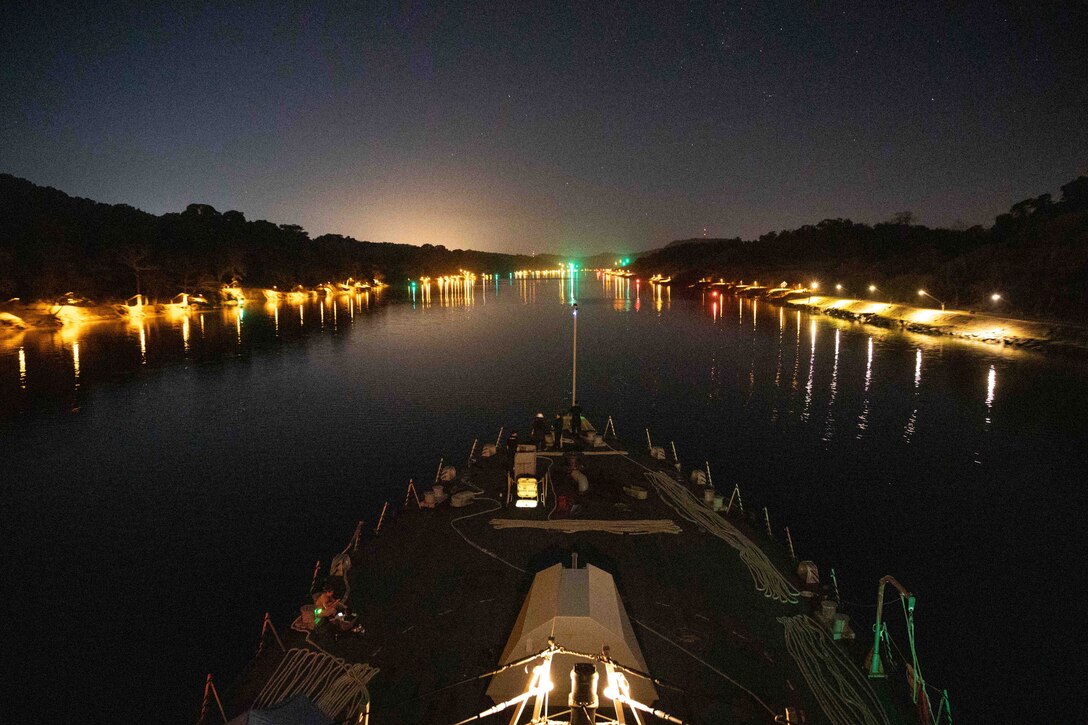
<point>52,243</point>
<point>1035,257</point>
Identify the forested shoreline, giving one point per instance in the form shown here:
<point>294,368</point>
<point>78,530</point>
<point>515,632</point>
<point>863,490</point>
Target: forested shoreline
<point>52,243</point>
<point>1035,257</point>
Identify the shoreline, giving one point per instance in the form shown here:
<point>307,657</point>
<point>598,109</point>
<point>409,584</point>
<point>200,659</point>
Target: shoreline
<point>18,317</point>
<point>961,324</point>
<point>45,316</point>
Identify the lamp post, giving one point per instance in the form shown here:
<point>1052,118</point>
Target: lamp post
<point>1000,300</point>
<point>923,293</point>
<point>815,285</point>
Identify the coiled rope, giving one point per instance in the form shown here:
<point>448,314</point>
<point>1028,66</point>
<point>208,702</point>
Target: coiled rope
<point>335,687</point>
<point>843,693</point>
<point>766,576</point>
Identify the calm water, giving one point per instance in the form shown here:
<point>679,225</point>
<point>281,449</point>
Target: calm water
<point>167,484</point>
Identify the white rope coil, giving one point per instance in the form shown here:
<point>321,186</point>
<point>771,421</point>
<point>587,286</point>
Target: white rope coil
<point>572,526</point>
<point>768,579</point>
<point>336,687</point>
<point>843,694</point>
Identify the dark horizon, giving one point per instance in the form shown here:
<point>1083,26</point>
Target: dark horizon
<point>546,129</point>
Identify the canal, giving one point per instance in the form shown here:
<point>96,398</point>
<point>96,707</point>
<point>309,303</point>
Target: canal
<point>168,482</point>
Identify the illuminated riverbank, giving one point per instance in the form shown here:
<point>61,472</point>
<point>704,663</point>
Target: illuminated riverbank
<point>954,323</point>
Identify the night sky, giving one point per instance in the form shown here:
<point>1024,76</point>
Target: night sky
<point>538,127</point>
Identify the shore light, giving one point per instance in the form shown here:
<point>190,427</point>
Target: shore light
<point>923,293</point>
<point>838,288</point>
<point>872,288</point>
<point>995,297</point>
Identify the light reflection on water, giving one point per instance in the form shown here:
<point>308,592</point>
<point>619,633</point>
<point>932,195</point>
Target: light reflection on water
<point>762,397</point>
<point>863,416</point>
<point>822,379</point>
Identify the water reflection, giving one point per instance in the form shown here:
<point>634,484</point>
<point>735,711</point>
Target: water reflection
<point>991,387</point>
<point>908,430</point>
<point>792,398</point>
<point>662,295</point>
<point>75,362</point>
<point>72,360</point>
<point>829,423</point>
<point>811,372</point>
<point>863,417</point>
<point>796,356</point>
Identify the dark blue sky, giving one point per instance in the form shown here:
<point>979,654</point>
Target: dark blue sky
<point>522,126</point>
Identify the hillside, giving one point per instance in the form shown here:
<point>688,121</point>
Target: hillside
<point>52,243</point>
<point>1035,256</point>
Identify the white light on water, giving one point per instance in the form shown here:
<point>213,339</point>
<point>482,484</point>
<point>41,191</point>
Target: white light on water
<point>918,368</point>
<point>991,386</point>
<point>811,371</point>
<point>75,361</point>
<point>22,368</point>
<point>863,417</point>
<point>869,365</point>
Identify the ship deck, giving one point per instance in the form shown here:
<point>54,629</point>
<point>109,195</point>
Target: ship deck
<point>439,590</point>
